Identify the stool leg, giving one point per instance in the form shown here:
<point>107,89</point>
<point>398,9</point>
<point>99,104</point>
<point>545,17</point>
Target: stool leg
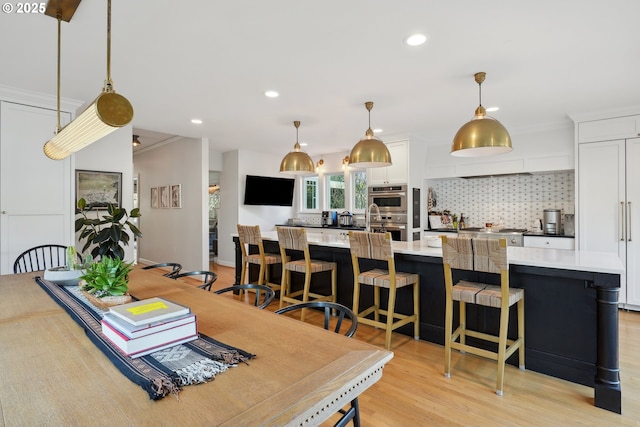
<point>284,285</point>
<point>243,272</point>
<point>463,323</point>
<point>521,332</point>
<point>261,274</point>
<point>391,309</point>
<point>448,331</point>
<point>376,303</point>
<point>305,292</point>
<point>416,310</point>
<point>502,346</point>
<point>334,285</point>
<point>356,297</point>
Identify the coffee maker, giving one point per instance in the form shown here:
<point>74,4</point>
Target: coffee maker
<point>329,218</point>
<point>552,221</point>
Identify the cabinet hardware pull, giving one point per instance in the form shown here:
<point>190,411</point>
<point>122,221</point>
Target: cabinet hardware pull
<point>629,216</point>
<point>622,233</point>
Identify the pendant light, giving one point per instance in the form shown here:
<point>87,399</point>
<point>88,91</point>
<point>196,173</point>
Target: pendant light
<point>483,135</point>
<point>297,161</point>
<point>108,112</point>
<point>370,151</point>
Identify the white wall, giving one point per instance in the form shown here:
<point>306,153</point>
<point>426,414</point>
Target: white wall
<point>175,235</point>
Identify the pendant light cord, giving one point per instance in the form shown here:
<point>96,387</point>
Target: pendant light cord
<point>59,31</point>
<point>108,83</point>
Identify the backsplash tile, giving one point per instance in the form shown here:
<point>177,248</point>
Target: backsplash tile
<point>511,201</point>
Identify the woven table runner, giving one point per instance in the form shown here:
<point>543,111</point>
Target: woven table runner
<point>161,373</point>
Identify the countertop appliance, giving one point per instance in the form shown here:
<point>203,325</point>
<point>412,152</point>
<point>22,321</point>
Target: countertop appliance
<point>569,225</point>
<point>346,219</point>
<point>389,198</point>
<point>329,218</point>
<point>514,236</point>
<point>551,221</point>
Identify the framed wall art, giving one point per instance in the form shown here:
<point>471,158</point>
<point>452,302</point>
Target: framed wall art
<point>154,197</point>
<point>163,193</point>
<point>99,188</point>
<point>176,196</point>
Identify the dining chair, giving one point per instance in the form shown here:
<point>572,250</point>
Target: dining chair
<point>175,268</point>
<point>263,295</point>
<point>377,247</point>
<point>293,242</point>
<point>42,257</point>
<point>207,278</point>
<point>341,312</point>
<point>249,235</point>
<point>486,255</point>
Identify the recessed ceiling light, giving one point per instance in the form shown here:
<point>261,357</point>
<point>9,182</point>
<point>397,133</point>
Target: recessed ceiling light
<point>303,144</point>
<point>271,94</point>
<point>492,109</point>
<point>377,130</point>
<point>196,121</point>
<point>416,39</point>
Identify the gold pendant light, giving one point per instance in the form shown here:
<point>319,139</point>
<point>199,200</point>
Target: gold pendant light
<point>370,151</point>
<point>483,135</point>
<point>108,112</point>
<point>297,162</point>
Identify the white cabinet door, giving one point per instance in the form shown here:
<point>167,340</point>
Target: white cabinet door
<point>549,242</point>
<point>35,196</point>
<point>609,129</point>
<point>398,172</point>
<point>633,221</point>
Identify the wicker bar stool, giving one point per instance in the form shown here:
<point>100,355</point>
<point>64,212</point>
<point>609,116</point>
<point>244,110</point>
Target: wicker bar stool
<point>490,256</point>
<point>250,235</point>
<point>295,239</point>
<point>377,246</point>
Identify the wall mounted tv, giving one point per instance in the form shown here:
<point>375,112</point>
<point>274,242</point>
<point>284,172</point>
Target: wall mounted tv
<point>268,191</point>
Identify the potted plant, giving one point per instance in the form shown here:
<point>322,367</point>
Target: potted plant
<point>109,233</point>
<point>105,282</point>
<point>68,274</point>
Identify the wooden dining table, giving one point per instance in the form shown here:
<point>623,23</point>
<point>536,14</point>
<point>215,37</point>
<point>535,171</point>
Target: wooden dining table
<point>52,374</point>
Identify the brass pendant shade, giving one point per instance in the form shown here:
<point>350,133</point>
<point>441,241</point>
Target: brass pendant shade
<point>370,151</point>
<point>483,135</point>
<point>297,162</point>
<point>107,113</point>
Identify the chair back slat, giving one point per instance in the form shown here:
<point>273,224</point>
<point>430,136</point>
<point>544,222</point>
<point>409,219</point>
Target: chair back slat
<point>293,238</point>
<point>490,256</point>
<point>41,257</point>
<point>457,252</point>
<point>249,234</point>
<point>371,245</point>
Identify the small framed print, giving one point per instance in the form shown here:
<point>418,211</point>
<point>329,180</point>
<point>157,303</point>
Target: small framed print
<point>176,196</point>
<point>99,189</point>
<point>164,196</point>
<point>154,197</point>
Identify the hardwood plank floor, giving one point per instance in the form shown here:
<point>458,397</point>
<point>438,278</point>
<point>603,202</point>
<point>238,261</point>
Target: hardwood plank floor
<point>414,392</point>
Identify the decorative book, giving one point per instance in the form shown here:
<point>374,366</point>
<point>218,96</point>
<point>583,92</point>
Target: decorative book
<point>132,331</point>
<point>148,311</point>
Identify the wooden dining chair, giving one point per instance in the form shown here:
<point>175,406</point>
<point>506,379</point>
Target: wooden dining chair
<point>263,295</point>
<point>487,255</point>
<point>207,278</point>
<point>42,257</point>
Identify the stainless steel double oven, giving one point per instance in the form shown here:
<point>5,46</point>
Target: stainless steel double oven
<point>392,202</point>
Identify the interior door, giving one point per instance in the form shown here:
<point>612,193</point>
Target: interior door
<point>35,191</point>
<point>633,221</point>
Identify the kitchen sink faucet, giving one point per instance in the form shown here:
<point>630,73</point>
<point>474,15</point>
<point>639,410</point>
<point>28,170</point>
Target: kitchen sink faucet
<point>378,217</point>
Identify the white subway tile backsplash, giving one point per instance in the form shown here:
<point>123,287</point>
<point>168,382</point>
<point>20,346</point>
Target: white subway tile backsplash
<point>512,201</point>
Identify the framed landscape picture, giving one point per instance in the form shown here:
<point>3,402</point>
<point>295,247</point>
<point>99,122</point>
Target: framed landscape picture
<point>99,188</point>
<point>163,193</point>
<point>176,196</point>
<point>154,197</point>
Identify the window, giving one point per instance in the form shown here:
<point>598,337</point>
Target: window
<point>310,189</point>
<point>359,190</point>
<point>336,191</point>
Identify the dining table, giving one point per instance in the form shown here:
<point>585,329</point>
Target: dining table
<point>52,374</point>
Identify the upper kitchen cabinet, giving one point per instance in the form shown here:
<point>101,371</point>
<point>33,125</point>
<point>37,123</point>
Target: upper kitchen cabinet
<point>398,172</point>
<point>609,129</point>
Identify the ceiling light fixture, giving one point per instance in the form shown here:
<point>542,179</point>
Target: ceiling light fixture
<point>345,162</point>
<point>370,151</point>
<point>296,162</point>
<point>136,142</point>
<point>271,94</point>
<point>108,112</point>
<point>416,39</point>
<point>196,121</point>
<point>319,165</point>
<point>483,135</point>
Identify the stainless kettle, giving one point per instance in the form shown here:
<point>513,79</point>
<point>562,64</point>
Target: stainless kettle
<point>346,219</point>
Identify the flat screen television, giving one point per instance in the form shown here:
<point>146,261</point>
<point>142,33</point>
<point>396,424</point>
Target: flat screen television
<point>268,191</point>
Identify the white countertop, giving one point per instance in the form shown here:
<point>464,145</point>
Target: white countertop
<point>600,262</point>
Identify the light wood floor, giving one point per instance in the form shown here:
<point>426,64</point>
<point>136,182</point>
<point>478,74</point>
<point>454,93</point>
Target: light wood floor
<point>414,392</point>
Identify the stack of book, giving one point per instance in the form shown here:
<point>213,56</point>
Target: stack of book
<point>143,327</point>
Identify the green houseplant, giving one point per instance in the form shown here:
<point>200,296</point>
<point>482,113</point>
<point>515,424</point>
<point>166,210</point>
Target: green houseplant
<point>109,233</point>
<point>104,282</point>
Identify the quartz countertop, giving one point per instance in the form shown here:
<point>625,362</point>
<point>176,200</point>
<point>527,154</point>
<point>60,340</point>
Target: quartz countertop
<point>600,262</point>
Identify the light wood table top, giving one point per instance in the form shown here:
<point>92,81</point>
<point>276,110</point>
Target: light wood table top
<point>53,375</point>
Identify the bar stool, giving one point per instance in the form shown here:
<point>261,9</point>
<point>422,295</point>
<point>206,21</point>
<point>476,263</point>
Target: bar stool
<point>250,235</point>
<point>377,246</point>
<point>295,239</point>
<point>490,256</point>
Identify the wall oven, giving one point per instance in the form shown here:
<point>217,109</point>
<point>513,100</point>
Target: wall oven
<point>389,198</point>
<point>396,225</point>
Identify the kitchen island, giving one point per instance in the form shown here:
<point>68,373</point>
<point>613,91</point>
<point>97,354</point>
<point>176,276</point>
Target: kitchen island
<point>571,305</point>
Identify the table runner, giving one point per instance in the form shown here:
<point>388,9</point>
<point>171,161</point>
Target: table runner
<point>161,373</point>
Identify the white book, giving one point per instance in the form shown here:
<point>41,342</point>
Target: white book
<point>136,347</point>
<point>132,331</point>
<point>148,311</point>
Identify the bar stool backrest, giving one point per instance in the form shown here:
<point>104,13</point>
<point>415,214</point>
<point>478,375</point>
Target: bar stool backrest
<point>371,245</point>
<point>249,234</point>
<point>483,254</point>
<point>293,238</point>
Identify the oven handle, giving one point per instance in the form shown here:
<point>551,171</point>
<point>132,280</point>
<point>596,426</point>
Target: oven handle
<point>394,193</point>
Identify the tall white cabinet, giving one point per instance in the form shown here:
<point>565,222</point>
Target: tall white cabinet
<point>608,192</point>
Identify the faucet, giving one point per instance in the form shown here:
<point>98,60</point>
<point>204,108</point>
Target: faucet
<point>368,219</point>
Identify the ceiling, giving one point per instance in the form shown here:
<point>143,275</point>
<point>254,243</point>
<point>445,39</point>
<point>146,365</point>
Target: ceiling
<point>213,60</point>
